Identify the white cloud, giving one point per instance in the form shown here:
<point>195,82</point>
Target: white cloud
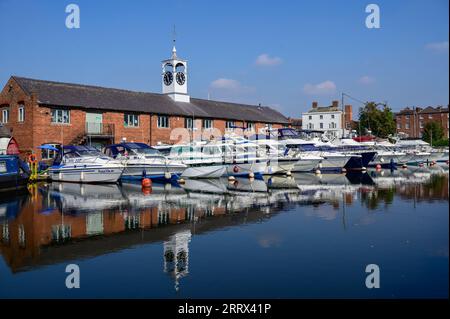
<point>366,80</point>
<point>438,47</point>
<point>225,84</point>
<point>229,88</point>
<point>266,60</point>
<point>327,87</point>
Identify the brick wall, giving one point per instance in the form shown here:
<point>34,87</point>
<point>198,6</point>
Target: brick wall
<point>413,124</point>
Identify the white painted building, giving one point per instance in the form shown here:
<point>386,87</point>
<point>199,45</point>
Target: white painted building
<point>327,119</point>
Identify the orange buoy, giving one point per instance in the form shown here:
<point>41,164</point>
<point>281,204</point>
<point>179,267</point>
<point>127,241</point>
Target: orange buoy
<point>146,182</point>
<point>146,190</point>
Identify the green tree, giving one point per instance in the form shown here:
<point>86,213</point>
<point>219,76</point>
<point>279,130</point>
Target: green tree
<point>380,122</point>
<point>433,132</point>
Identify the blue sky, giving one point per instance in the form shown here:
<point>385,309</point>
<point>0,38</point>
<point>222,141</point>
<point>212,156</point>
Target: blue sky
<point>280,53</point>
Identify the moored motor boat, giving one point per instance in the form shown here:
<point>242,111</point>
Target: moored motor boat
<point>14,173</point>
<point>141,160</point>
<point>84,164</point>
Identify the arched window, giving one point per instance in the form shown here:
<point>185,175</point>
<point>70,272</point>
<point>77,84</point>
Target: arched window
<point>4,113</point>
<point>21,112</point>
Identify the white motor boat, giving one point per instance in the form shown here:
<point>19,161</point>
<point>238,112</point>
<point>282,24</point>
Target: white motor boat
<point>240,159</point>
<point>141,160</point>
<point>199,164</point>
<point>420,151</point>
<point>331,161</point>
<point>84,164</point>
<point>283,160</point>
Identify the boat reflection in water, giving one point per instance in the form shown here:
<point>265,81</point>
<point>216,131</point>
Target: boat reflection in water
<point>62,222</point>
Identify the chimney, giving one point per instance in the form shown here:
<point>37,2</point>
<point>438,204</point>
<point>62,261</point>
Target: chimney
<point>335,104</point>
<point>315,105</point>
<point>348,116</point>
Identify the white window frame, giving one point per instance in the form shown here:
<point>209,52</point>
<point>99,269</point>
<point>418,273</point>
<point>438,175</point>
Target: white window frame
<point>250,126</point>
<point>49,154</point>
<point>321,125</point>
<point>188,123</point>
<point>21,113</point>
<point>131,120</point>
<point>207,127</point>
<point>163,121</point>
<point>60,116</point>
<point>5,115</point>
<point>406,126</point>
<point>229,125</point>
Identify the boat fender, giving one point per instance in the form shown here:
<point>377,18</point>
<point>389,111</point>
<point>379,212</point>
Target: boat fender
<point>146,182</point>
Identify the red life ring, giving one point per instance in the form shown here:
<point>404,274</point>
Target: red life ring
<point>32,158</point>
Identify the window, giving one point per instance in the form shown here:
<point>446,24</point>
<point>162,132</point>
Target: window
<point>229,125</point>
<point>430,116</point>
<point>407,117</point>
<point>421,124</point>
<point>131,120</point>
<point>188,123</point>
<point>333,125</point>
<point>207,124</point>
<point>5,238</point>
<point>250,126</point>
<point>21,113</point>
<point>407,126</point>
<point>399,125</point>
<point>310,126</point>
<point>49,154</point>
<point>21,235</point>
<point>321,117</point>
<point>332,116</point>
<point>421,117</point>
<point>5,115</point>
<point>310,117</point>
<point>163,121</point>
<point>269,126</point>
<point>60,116</point>
<point>321,124</point>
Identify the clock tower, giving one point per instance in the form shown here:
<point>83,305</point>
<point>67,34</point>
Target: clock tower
<point>174,78</point>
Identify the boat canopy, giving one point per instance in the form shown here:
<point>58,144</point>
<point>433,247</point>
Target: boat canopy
<point>115,150</point>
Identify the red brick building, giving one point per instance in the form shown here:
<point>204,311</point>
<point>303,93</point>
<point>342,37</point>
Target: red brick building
<point>40,112</point>
<point>411,121</point>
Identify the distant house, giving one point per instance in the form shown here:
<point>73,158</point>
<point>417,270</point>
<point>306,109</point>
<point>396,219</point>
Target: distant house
<point>295,123</point>
<point>411,121</point>
<point>329,119</point>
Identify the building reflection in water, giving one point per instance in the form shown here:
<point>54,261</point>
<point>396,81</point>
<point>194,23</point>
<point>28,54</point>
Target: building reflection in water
<point>58,222</point>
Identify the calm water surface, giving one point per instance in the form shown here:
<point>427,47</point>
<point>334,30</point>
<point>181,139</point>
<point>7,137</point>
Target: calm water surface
<point>305,236</point>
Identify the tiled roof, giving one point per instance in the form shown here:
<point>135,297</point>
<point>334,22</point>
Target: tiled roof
<point>419,110</point>
<point>108,99</point>
<point>324,109</point>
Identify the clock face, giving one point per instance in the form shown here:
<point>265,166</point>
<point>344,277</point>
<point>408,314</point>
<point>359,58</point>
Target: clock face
<point>168,78</point>
<point>181,78</point>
